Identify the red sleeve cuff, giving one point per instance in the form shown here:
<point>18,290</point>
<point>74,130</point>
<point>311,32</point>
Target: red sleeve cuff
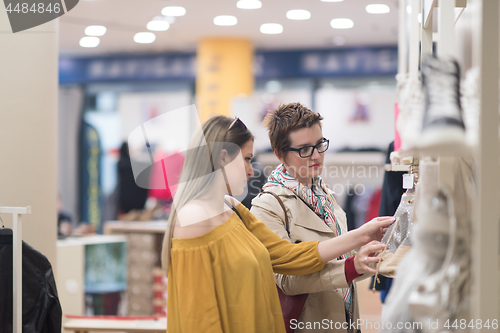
<point>350,270</point>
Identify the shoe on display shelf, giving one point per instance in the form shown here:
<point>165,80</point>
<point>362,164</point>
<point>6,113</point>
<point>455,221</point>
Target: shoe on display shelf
<point>443,128</point>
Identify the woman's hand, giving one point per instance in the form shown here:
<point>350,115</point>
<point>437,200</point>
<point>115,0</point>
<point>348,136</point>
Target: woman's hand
<point>376,228</point>
<point>366,256</point>
<point>373,230</point>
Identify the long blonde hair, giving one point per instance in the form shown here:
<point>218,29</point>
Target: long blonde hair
<point>199,165</point>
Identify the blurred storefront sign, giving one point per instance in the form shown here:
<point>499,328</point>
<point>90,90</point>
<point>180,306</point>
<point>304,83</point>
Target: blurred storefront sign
<point>374,61</point>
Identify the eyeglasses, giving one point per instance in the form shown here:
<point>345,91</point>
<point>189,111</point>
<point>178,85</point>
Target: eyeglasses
<point>307,151</point>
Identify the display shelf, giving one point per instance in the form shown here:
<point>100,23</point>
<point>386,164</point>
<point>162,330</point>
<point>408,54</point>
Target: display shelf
<point>403,167</point>
<point>430,5</point>
<point>122,325</point>
<point>135,226</point>
<point>481,33</point>
<point>442,149</point>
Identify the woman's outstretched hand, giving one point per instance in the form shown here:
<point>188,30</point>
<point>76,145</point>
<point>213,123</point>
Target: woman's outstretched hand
<point>376,228</point>
<point>366,256</point>
<point>370,231</point>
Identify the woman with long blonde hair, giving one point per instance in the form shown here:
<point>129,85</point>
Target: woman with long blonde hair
<point>220,258</point>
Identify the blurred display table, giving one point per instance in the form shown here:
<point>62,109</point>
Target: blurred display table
<point>114,227</point>
<point>77,263</point>
<point>144,244</point>
<point>84,325</point>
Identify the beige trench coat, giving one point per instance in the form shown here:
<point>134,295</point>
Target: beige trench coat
<point>325,303</point>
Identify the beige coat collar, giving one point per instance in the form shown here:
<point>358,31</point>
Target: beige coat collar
<point>302,214</point>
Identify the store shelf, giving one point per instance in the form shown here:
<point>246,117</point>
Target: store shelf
<point>429,6</point>
<point>135,226</point>
<point>405,168</point>
<point>444,149</point>
<point>122,325</point>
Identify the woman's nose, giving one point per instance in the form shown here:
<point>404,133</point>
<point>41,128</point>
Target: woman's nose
<point>250,172</point>
<point>315,155</point>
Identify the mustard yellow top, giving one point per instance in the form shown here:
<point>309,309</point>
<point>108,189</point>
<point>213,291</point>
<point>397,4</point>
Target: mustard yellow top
<point>223,280</point>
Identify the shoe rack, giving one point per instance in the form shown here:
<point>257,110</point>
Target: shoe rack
<point>416,41</point>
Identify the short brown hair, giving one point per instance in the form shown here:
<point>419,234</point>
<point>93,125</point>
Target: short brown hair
<point>286,119</point>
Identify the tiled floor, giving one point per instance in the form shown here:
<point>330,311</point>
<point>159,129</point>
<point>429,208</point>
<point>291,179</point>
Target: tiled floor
<point>370,307</point>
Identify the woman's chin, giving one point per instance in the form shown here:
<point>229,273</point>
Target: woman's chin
<point>239,191</point>
<point>316,172</point>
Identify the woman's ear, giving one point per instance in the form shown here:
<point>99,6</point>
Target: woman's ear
<point>223,158</point>
<point>279,155</point>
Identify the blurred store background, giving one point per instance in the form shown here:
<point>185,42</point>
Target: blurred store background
<point>126,63</point>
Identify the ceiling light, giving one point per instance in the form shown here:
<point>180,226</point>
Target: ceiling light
<point>271,28</point>
<point>342,23</point>
<point>144,37</point>
<point>332,0</point>
<point>158,25</point>
<point>89,41</point>
<point>339,40</point>
<point>173,11</point>
<point>225,20</point>
<point>408,9</point>
<point>377,9</point>
<point>249,4</point>
<point>298,14</point>
<point>95,30</point>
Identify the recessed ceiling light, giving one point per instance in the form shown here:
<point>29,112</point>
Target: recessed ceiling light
<point>158,25</point>
<point>95,30</point>
<point>271,28</point>
<point>144,37</point>
<point>339,40</point>
<point>377,9</point>
<point>249,4</point>
<point>298,14</point>
<point>225,20</point>
<point>332,0</point>
<point>173,11</point>
<point>342,23</point>
<point>89,41</point>
<point>408,9</point>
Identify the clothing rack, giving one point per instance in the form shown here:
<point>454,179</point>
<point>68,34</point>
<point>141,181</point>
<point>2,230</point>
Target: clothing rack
<point>17,264</point>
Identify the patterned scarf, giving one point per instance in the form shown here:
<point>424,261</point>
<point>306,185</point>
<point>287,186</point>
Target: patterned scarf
<point>321,202</point>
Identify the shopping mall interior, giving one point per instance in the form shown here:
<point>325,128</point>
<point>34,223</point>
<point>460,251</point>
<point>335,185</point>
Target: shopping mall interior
<point>99,102</point>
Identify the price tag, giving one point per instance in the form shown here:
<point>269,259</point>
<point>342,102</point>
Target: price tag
<point>408,181</point>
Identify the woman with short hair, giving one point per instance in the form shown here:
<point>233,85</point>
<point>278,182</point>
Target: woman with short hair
<point>313,214</point>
